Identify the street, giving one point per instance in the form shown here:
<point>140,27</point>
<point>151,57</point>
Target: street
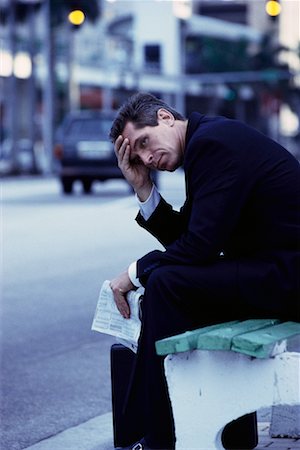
<point>56,252</point>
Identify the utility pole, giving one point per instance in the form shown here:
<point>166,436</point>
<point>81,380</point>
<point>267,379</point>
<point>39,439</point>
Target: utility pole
<point>48,100</point>
<point>181,92</point>
<point>76,18</point>
<point>32,85</point>
<point>12,89</point>
<point>31,4</point>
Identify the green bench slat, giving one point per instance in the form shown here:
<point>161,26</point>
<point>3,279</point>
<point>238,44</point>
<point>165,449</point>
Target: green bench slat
<point>221,338</point>
<point>261,343</point>
<point>185,341</point>
<point>255,337</point>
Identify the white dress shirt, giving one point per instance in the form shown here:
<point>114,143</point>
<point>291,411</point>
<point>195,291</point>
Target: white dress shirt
<point>146,208</point>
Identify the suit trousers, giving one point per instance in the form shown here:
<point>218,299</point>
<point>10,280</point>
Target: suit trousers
<point>177,299</point>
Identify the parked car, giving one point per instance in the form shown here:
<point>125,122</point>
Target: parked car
<point>83,150</point>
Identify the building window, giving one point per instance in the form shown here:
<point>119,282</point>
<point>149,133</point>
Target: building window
<point>152,58</point>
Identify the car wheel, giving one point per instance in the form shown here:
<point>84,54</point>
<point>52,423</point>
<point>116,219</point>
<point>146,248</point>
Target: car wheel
<point>87,186</point>
<point>67,186</point>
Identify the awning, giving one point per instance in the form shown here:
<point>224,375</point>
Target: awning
<point>208,26</point>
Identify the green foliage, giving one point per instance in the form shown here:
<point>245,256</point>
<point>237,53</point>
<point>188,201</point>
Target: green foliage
<point>225,56</point>
<point>208,54</point>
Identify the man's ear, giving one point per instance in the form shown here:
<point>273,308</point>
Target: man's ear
<point>166,116</point>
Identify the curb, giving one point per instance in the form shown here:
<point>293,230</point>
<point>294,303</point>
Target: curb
<point>95,434</point>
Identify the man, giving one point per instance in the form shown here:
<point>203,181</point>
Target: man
<point>231,252</point>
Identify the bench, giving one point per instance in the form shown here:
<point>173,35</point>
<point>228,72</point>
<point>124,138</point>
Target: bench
<point>222,372</point>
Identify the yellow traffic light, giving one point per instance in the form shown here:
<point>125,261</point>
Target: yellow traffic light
<point>76,17</point>
<point>273,8</point>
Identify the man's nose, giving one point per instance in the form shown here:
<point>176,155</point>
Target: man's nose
<point>148,159</point>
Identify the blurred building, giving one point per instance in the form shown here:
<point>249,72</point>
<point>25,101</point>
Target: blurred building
<point>218,56</point>
<point>228,56</point>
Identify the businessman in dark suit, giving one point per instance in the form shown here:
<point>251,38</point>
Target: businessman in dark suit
<point>231,252</point>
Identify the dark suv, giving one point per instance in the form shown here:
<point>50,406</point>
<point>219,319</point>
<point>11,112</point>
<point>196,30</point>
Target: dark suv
<point>83,150</point>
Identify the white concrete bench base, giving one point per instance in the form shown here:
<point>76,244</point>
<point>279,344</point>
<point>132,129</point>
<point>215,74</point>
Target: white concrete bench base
<point>209,389</point>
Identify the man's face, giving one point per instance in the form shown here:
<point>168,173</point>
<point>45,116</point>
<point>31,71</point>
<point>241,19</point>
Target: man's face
<point>157,147</point>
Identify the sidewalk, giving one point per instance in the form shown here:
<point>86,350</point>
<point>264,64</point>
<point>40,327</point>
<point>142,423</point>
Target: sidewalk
<point>97,434</point>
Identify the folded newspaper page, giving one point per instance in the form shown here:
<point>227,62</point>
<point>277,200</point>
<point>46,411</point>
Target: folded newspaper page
<point>107,318</point>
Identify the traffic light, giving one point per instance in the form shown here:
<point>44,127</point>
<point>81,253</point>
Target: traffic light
<point>273,8</point>
<point>80,10</point>
<point>76,17</point>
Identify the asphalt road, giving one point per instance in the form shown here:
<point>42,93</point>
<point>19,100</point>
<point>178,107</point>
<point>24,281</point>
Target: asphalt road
<point>56,252</point>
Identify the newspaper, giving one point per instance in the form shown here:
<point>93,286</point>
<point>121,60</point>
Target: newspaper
<point>107,318</point>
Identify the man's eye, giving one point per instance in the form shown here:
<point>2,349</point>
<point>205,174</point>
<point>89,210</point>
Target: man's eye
<point>144,142</point>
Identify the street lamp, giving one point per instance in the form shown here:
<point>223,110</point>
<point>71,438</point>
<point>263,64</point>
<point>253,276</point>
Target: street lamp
<point>6,66</point>
<point>22,65</point>
<point>19,65</point>
<point>182,9</point>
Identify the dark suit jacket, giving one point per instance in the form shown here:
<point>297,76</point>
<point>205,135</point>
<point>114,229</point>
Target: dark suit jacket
<point>242,199</point>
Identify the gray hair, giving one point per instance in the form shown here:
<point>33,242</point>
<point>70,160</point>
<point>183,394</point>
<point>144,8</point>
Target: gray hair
<point>140,109</point>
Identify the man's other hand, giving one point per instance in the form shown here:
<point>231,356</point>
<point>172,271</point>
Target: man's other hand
<point>120,286</point>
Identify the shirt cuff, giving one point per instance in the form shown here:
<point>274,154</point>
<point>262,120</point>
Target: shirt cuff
<point>148,206</point>
<point>132,275</point>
